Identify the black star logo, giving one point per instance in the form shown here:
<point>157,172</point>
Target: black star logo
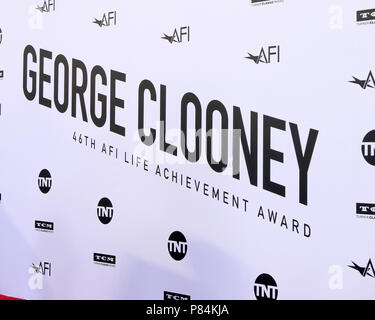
<point>364,83</point>
<point>169,38</point>
<point>254,58</point>
<point>98,22</point>
<point>364,271</point>
<point>36,269</point>
<point>41,9</point>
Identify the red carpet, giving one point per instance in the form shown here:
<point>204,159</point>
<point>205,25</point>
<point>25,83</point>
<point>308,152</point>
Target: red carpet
<point>8,298</point>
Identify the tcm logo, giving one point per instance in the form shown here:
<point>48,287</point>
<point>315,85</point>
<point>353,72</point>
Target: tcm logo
<point>366,16</point>
<point>177,245</point>
<point>175,296</point>
<point>179,35</point>
<point>365,210</point>
<point>38,272</point>
<point>48,6</point>
<point>44,226</point>
<point>269,55</point>
<point>368,147</point>
<point>265,288</point>
<point>104,259</point>
<point>108,19</point>
<point>264,2</point>
<point>368,270</point>
<point>105,210</point>
<point>45,181</point>
<point>369,82</point>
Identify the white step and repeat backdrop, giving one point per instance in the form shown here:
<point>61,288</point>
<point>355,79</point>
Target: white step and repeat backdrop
<point>187,149</point>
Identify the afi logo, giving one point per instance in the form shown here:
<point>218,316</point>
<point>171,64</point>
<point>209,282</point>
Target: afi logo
<point>364,271</point>
<point>107,20</point>
<point>43,268</point>
<point>268,55</point>
<point>37,274</point>
<point>179,35</point>
<point>47,6</point>
<point>364,84</point>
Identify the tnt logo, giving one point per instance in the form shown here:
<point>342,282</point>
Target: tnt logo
<point>265,288</point>
<point>177,245</point>
<point>108,19</point>
<point>368,147</point>
<point>179,35</point>
<point>269,55</point>
<point>48,6</point>
<point>104,259</point>
<point>45,181</point>
<point>105,210</point>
